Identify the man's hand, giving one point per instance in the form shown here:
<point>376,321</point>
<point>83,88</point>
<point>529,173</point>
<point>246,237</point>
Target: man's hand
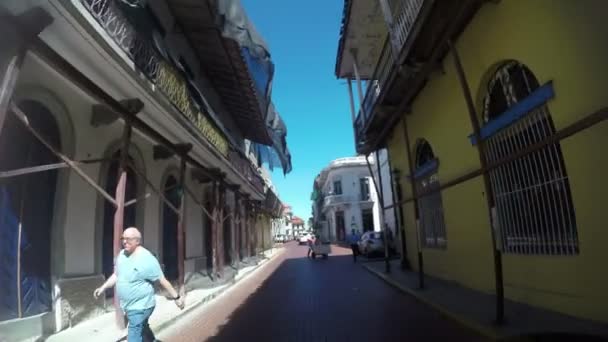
<point>181,303</point>
<point>98,292</point>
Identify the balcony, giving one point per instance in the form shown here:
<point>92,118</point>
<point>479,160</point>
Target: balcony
<point>405,13</point>
<point>149,59</point>
<point>417,32</point>
<point>169,77</point>
<point>336,199</point>
<point>365,197</point>
<point>234,56</point>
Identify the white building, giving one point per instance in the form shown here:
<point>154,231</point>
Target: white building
<point>348,199</point>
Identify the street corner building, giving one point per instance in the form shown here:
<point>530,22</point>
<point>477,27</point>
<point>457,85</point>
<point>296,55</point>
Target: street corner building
<point>493,116</point>
<point>118,113</point>
<point>345,198</point>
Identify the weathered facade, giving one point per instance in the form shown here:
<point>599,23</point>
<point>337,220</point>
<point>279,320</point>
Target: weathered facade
<point>108,119</point>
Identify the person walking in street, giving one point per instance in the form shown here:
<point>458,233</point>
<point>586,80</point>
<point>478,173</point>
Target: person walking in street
<point>310,242</point>
<point>135,272</point>
<point>353,239</point>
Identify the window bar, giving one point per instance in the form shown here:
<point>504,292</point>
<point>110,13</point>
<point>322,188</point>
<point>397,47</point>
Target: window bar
<point>561,178</point>
<point>545,185</point>
<point>502,207</point>
<point>498,178</point>
<point>570,226</point>
<point>516,227</point>
<point>516,167</point>
<point>434,219</point>
<point>528,189</point>
<point>528,184</point>
<point>551,179</point>
<point>531,228</point>
<point>538,189</point>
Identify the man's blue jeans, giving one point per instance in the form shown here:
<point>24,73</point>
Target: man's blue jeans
<point>139,330</point>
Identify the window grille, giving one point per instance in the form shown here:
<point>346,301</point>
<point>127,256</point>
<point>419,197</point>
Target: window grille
<point>430,207</point>
<point>532,195</point>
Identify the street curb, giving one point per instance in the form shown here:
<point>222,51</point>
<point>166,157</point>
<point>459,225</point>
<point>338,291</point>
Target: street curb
<point>164,325</point>
<point>467,323</point>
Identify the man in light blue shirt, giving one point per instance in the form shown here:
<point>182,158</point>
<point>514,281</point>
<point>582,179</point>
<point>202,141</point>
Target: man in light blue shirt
<point>353,239</point>
<point>135,272</point>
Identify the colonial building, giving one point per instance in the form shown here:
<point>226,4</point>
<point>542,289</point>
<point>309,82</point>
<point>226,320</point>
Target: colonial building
<point>349,198</point>
<point>493,116</point>
<point>118,113</point>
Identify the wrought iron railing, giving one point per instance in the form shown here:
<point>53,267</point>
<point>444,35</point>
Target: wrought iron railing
<point>378,81</point>
<point>142,51</point>
<point>405,14</point>
<point>336,199</point>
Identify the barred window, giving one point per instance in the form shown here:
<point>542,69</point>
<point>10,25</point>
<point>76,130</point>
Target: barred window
<point>430,207</point>
<point>535,214</point>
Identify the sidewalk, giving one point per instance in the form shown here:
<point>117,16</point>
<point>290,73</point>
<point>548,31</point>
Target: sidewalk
<point>103,328</point>
<point>476,310</point>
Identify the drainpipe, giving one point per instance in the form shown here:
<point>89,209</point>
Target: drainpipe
<point>498,273</point>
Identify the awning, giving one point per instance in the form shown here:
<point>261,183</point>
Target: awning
<point>278,153</point>
<point>235,58</point>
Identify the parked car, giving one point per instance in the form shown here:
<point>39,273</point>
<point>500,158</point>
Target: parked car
<point>371,243</point>
<point>303,239</point>
<point>280,238</point>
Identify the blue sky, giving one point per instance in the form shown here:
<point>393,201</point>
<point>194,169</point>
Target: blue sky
<point>303,40</point>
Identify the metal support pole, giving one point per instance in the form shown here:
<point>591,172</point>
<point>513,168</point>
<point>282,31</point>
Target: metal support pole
<point>120,207</point>
<point>181,234</point>
<point>387,264</point>
<point>221,246</point>
<point>246,226</point>
<point>498,274</point>
<point>353,114</point>
<point>359,85</point>
<point>398,215</point>
<point>410,165</point>
<point>214,222</point>
<point>72,165</point>
<point>237,229</point>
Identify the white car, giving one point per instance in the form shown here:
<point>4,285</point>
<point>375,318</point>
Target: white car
<point>303,239</point>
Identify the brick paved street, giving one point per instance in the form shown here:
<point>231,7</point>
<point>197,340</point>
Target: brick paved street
<point>293,298</point>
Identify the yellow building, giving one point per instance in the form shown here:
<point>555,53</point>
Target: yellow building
<point>534,76</point>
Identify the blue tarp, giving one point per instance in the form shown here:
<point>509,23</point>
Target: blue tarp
<point>9,231</point>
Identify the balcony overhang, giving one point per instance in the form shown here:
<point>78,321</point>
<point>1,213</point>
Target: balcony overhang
<point>419,57</point>
<point>235,58</point>
<point>362,35</point>
<point>278,153</point>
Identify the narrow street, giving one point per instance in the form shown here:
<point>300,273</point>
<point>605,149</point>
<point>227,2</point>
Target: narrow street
<point>293,298</point>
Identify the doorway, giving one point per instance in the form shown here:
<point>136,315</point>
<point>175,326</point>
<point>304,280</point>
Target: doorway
<point>170,220</point>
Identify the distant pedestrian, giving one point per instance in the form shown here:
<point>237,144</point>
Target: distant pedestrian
<point>310,242</point>
<point>135,272</point>
<point>353,239</point>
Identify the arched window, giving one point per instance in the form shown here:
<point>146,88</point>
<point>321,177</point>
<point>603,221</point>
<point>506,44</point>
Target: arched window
<point>532,195</point>
<point>430,207</point>
<point>26,213</point>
